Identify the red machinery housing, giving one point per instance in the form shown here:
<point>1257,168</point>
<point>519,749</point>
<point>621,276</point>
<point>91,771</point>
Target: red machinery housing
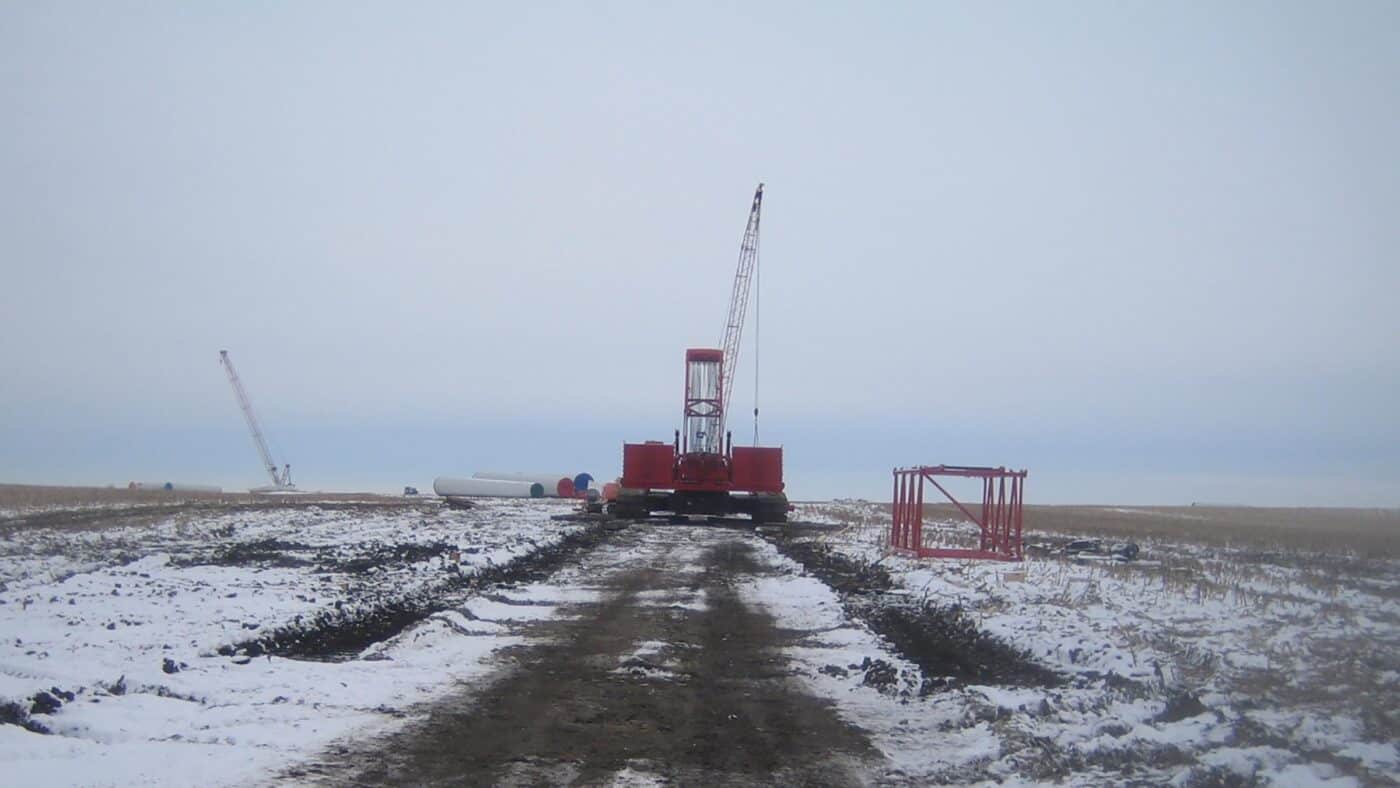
<point>702,472</point>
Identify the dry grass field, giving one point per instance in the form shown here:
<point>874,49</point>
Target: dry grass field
<point>25,496</point>
<point>84,508</point>
<point>1373,533</point>
<point>29,496</point>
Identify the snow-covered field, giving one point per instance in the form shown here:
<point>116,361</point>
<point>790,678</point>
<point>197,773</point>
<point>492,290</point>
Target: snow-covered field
<point>1277,666</point>
<point>138,645</point>
<point>122,640</point>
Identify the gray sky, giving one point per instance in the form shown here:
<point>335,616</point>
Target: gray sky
<point>1147,251</point>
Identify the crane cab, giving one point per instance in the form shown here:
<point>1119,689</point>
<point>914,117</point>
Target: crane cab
<point>702,418</point>
<point>702,461</point>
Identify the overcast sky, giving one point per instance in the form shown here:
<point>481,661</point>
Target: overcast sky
<point>1146,250</point>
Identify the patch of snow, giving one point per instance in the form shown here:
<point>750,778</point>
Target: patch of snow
<point>1268,642</point>
<point>131,626</point>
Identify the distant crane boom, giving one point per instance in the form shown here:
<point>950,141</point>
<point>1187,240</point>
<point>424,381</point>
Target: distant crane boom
<point>282,478</point>
<point>739,305</point>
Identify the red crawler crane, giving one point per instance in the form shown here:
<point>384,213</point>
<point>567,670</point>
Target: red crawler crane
<point>703,472</point>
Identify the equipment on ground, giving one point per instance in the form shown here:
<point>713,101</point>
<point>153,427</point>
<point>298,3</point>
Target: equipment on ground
<point>455,487</point>
<point>999,520</point>
<point>546,480</point>
<point>281,480</point>
<point>702,471</point>
<point>576,487</point>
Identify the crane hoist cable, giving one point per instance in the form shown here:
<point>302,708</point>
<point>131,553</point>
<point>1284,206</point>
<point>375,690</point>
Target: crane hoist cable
<point>757,324</point>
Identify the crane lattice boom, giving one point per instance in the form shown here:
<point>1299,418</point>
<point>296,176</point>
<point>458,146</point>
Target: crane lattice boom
<point>281,478</point>
<point>739,303</point>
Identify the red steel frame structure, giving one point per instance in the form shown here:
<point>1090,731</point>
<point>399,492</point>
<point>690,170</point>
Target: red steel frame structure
<point>1000,519</point>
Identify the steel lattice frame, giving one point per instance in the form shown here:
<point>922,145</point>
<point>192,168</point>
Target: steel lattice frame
<point>1000,520</point>
<point>739,302</point>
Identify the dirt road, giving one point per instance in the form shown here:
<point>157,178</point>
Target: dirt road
<point>665,676</point>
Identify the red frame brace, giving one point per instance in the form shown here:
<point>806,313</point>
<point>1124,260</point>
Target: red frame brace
<point>1001,511</point>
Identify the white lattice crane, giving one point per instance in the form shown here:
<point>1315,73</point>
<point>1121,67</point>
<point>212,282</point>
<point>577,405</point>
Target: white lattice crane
<point>738,310</point>
<point>281,480</point>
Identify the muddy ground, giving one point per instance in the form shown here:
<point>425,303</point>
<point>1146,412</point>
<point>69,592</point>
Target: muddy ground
<point>667,673</point>
<point>940,638</point>
<point>337,634</point>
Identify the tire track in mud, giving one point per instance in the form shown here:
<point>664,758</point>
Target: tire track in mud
<point>946,645</point>
<point>338,634</point>
<point>644,681</point>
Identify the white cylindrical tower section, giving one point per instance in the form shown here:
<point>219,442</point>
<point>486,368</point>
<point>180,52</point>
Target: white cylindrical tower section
<point>546,480</point>
<point>457,487</point>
